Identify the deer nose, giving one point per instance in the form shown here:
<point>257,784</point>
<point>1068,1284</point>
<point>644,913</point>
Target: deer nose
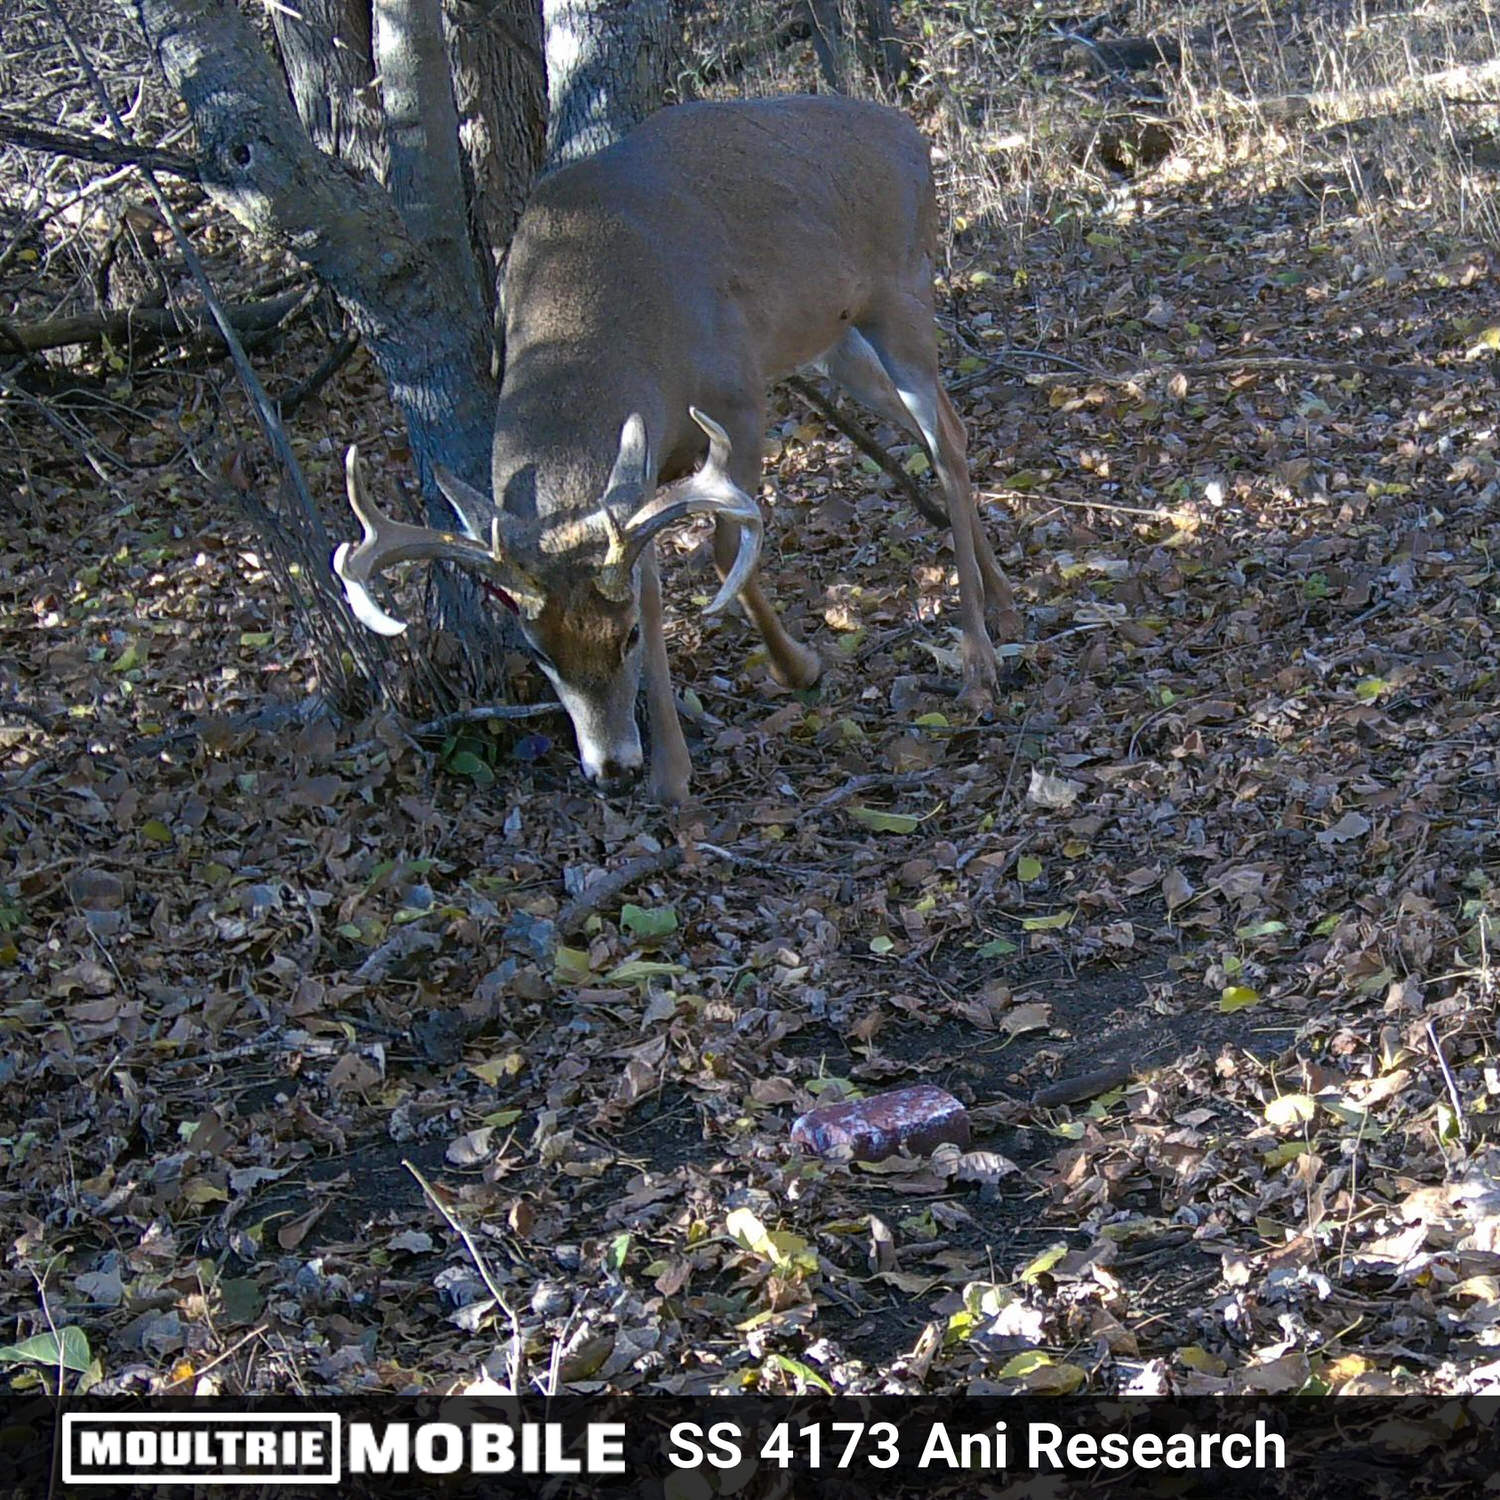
<point>614,772</point>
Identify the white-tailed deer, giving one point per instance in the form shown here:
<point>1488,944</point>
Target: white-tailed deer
<point>651,295</point>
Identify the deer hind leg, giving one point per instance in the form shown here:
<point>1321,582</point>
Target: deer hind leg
<point>897,378</point>
<point>792,663</point>
<point>671,766</point>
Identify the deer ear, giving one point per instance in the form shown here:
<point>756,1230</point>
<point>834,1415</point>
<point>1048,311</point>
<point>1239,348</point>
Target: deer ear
<point>633,463</point>
<point>468,504</point>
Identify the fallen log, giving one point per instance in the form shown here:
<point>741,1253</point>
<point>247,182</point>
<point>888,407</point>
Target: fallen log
<point>157,324</point>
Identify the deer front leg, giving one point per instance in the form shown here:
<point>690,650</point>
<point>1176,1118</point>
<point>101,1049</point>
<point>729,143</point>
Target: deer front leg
<point>671,766</point>
<point>793,664</point>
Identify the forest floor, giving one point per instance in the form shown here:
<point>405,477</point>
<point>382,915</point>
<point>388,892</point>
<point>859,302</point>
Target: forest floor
<point>1195,923</point>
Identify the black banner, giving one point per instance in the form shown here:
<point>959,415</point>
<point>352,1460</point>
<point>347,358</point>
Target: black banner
<point>662,1448</point>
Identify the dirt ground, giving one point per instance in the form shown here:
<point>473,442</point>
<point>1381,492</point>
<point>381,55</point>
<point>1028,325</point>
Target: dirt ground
<point>1195,923</point>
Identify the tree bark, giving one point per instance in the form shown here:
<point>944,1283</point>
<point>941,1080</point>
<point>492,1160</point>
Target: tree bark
<point>421,129</point>
<point>500,91</point>
<point>327,55</point>
<point>259,164</point>
<point>608,66</point>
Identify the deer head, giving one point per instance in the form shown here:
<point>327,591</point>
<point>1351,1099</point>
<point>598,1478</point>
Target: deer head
<point>571,575</point>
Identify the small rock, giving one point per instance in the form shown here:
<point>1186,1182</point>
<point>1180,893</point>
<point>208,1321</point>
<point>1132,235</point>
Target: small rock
<point>920,1118</point>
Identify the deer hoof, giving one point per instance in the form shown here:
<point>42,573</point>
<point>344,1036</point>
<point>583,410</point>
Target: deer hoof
<point>801,667</point>
<point>668,788</point>
<point>981,677</point>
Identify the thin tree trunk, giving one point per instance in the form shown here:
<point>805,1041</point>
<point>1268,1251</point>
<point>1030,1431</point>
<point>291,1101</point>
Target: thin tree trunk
<point>421,130</point>
<point>326,52</point>
<point>608,66</point>
<point>259,164</point>
<point>500,90</point>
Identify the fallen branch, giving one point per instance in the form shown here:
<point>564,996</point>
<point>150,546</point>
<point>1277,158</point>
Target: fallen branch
<point>26,711</point>
<point>154,323</point>
<point>484,715</point>
<point>609,888</point>
<point>34,137</point>
<point>310,385</point>
<point>1234,365</point>
<point>1084,1086</point>
<point>1449,84</point>
<point>925,505</point>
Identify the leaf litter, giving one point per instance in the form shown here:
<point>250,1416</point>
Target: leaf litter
<point>1196,927</point>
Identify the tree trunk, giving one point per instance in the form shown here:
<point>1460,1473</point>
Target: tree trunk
<point>326,53</point>
<point>407,306</point>
<point>608,66</point>
<point>421,130</point>
<point>500,90</point>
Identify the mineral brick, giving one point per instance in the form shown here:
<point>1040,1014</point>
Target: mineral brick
<point>919,1118</point>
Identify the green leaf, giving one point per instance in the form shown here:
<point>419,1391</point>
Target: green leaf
<point>1279,1156</point>
<point>1237,997</point>
<point>242,1299</point>
<point>881,944</point>
<point>747,1230</point>
<point>68,1347</point>
<point>255,639</point>
<point>641,970</point>
<point>571,966</point>
<point>1044,1262</point>
<point>157,831</point>
<point>1368,689</point>
<point>1259,930</point>
<point>648,921</point>
<point>616,1253</point>
<point>129,659</point>
<point>1047,924</point>
<point>885,822</point>
<point>1290,1109</point>
<point>803,1374</point>
<point>995,948</point>
<point>1028,868</point>
<point>466,763</point>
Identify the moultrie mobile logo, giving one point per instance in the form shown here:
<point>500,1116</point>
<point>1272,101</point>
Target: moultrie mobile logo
<point>197,1448</point>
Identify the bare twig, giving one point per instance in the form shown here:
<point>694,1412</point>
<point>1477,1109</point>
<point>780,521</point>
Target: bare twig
<point>218,1359</point>
<point>1448,1078</point>
<point>828,410</point>
<point>33,136</point>
<point>309,386</point>
<point>483,715</point>
<point>486,1275</point>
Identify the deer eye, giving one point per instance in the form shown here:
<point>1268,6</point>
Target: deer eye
<point>633,639</point>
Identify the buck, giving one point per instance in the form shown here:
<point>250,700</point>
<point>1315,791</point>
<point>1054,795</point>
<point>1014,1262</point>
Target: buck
<point>651,295</point>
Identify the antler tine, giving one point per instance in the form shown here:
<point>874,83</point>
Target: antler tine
<point>709,491</point>
<point>388,541</point>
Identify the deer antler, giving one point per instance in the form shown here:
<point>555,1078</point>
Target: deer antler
<point>388,541</point>
<point>709,491</point>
